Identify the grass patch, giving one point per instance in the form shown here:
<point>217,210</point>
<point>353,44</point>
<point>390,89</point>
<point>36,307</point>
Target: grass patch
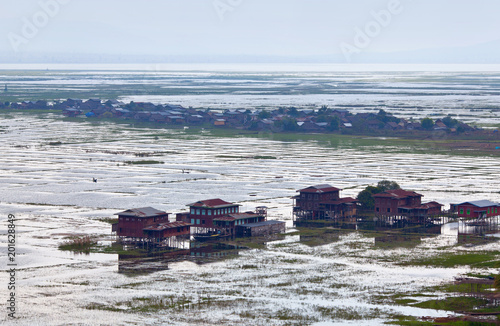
<point>397,241</point>
<point>249,267</point>
<point>473,259</point>
<point>79,244</point>
<point>405,302</point>
<point>143,162</point>
<point>408,321</point>
<point>264,157</point>
<point>317,236</point>
<point>453,304</point>
<point>108,220</point>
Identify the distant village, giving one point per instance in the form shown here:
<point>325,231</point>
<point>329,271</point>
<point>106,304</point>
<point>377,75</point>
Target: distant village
<point>289,119</point>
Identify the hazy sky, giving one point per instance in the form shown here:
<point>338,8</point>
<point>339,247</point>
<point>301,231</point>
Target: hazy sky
<point>244,27</point>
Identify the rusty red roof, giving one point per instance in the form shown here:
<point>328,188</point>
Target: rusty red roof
<point>433,204</point>
<point>397,193</point>
<point>212,203</point>
<point>164,226</point>
<point>142,212</point>
<point>423,206</point>
<point>319,189</point>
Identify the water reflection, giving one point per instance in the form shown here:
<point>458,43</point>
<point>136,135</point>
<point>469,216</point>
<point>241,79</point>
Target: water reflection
<point>320,237</point>
<point>391,241</point>
<point>478,231</point>
<point>153,261</point>
<point>462,232</point>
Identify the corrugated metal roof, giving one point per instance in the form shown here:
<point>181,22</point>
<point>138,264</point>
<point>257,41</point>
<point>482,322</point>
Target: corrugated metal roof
<point>142,212</point>
<point>481,203</point>
<point>319,189</point>
<point>252,225</point>
<point>164,226</point>
<point>422,206</point>
<point>236,216</point>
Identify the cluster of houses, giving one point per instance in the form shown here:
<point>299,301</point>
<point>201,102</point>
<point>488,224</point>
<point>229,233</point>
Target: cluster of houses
<point>205,220</point>
<point>216,218</point>
<point>324,202</point>
<point>282,119</point>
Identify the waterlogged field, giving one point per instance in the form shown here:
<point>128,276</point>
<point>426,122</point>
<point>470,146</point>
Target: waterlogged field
<point>47,168</point>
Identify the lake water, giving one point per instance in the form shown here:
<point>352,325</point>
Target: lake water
<point>50,190</point>
<point>341,281</point>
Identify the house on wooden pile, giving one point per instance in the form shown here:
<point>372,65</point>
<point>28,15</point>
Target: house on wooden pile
<point>158,233</point>
<point>476,209</point>
<point>259,229</point>
<point>148,224</point>
<point>230,223</point>
<point>219,217</point>
<point>399,202</point>
<point>131,223</point>
<point>202,213</point>
<point>323,202</point>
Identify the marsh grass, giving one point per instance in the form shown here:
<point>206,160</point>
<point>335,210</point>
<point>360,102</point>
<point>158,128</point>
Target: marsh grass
<point>143,162</point>
<point>109,220</point>
<point>408,321</point>
<point>313,237</point>
<point>486,259</point>
<point>79,244</point>
<point>392,241</point>
<point>453,304</point>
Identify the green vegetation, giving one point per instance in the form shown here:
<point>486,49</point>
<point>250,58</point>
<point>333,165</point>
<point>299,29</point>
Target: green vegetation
<point>427,123</point>
<point>144,162</point>
<point>318,237</point>
<point>397,241</point>
<point>409,321</point>
<point>265,157</point>
<point>453,304</point>
<point>485,259</point>
<point>249,267</point>
<point>144,304</point>
<point>108,220</point>
<point>365,197</point>
<point>79,244</point>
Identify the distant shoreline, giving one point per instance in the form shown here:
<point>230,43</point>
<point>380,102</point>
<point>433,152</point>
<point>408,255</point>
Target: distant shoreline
<point>254,67</point>
<point>476,143</point>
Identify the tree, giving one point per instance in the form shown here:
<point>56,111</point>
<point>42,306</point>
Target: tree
<point>334,124</point>
<point>365,197</point>
<point>290,124</point>
<point>385,185</point>
<point>293,112</point>
<point>450,122</point>
<point>323,110</point>
<point>264,114</point>
<point>427,123</point>
<point>382,116</point>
